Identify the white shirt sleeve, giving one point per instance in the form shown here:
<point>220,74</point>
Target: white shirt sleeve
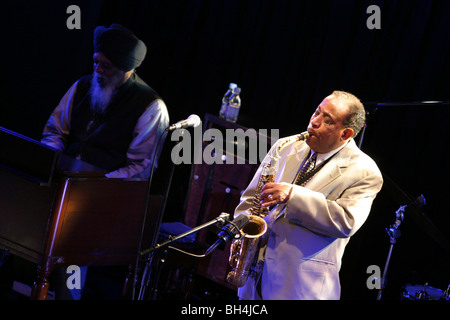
<point>141,152</point>
<point>57,127</point>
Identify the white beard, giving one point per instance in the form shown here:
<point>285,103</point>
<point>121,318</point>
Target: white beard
<point>102,96</point>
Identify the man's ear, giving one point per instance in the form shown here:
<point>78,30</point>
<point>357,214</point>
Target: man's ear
<point>347,133</point>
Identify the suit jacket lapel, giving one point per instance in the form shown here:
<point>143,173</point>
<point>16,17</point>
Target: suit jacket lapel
<point>333,169</point>
<point>293,162</point>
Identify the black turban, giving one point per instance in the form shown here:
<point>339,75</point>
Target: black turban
<point>119,45</point>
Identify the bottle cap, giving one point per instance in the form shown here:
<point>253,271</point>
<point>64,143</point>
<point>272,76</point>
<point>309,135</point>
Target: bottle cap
<point>232,85</point>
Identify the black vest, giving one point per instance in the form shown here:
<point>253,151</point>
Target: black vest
<point>103,140</point>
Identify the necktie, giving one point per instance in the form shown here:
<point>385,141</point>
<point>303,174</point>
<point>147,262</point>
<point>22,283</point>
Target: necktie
<point>307,168</point>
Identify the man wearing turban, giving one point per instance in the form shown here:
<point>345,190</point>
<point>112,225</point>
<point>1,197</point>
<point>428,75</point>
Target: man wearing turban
<point>111,118</point>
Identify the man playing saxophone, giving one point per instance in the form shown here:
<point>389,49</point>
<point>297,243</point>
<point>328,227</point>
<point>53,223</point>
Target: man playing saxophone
<point>322,194</point>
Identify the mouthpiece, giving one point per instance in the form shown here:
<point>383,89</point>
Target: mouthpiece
<point>303,136</point>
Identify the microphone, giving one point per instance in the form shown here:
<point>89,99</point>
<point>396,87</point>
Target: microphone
<point>233,228</point>
<point>420,201</point>
<point>229,231</point>
<point>393,231</point>
<point>192,121</point>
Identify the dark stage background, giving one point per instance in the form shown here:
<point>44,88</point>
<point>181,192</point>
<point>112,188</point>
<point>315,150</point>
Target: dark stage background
<point>286,56</point>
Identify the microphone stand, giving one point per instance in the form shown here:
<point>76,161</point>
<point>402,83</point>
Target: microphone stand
<point>136,267</point>
<point>220,221</point>
<point>161,211</point>
<point>393,234</point>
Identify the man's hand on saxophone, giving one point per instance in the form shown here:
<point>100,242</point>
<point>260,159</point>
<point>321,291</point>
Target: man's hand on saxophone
<point>275,193</point>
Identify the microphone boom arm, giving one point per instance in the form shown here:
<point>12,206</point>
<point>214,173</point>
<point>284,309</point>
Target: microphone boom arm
<point>221,220</point>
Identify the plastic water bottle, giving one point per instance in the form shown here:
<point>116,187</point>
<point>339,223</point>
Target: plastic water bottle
<point>226,100</point>
<point>234,106</point>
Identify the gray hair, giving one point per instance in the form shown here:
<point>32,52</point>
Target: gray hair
<point>356,117</point>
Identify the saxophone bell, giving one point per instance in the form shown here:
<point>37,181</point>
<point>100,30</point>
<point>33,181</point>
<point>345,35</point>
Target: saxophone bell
<point>243,250</point>
<point>255,228</point>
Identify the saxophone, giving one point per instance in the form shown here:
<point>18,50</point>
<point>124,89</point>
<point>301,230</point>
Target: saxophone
<point>245,249</point>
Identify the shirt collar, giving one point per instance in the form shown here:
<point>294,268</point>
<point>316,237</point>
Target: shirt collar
<point>324,156</point>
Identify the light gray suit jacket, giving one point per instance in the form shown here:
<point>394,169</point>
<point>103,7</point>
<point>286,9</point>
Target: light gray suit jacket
<point>309,233</point>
